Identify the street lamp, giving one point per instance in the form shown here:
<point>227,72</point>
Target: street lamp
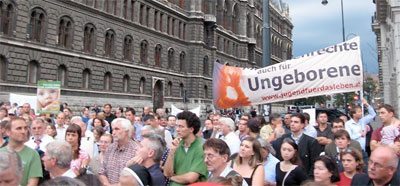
<point>325,2</point>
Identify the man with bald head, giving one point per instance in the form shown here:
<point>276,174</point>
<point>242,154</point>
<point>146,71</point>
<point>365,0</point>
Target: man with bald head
<point>382,166</point>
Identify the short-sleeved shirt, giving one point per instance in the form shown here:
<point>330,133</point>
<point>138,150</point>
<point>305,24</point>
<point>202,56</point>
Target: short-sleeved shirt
<point>115,159</point>
<point>326,133</point>
<point>191,160</point>
<point>77,163</point>
<point>31,164</point>
<point>376,135</point>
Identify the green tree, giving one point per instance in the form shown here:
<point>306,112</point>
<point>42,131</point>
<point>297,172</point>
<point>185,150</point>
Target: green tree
<point>370,89</point>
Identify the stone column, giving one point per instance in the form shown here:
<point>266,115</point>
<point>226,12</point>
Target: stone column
<point>242,25</point>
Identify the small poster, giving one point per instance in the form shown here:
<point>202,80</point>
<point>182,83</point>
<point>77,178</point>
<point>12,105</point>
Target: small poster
<point>48,97</point>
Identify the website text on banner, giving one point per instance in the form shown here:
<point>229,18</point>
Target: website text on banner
<point>330,70</point>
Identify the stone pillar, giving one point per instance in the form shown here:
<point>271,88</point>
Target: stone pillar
<point>242,25</point>
<point>136,12</point>
<point>128,10</point>
<point>150,17</point>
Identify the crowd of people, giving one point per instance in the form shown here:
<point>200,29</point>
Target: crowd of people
<point>118,146</point>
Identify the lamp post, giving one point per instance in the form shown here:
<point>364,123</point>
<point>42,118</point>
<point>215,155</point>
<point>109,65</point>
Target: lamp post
<point>325,2</point>
<point>266,58</point>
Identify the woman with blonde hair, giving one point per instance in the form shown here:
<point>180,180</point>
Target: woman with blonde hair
<point>248,162</point>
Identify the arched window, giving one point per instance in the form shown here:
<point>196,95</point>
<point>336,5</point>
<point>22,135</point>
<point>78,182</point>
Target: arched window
<point>169,89</point>
<point>171,56</point>
<point>3,68</point>
<point>143,52</point>
<point>182,66</point>
<point>37,25</point>
<point>205,66</point>
<point>125,83</point>
<point>205,8</point>
<point>62,75</point>
<point>109,43</point>
<point>128,49</point>
<point>6,18</point>
<point>155,22</point>
<point>161,22</point>
<point>33,72</point>
<point>181,90</point>
<point>157,55</point>
<point>89,38</point>
<point>225,15</point>
<point>142,85</point>
<point>173,27</point>
<point>147,16</point>
<point>65,32</point>
<point>168,25</point>
<point>107,81</point>
<point>86,78</point>
<point>205,91</point>
<point>249,24</point>
<point>184,31</point>
<point>235,19</point>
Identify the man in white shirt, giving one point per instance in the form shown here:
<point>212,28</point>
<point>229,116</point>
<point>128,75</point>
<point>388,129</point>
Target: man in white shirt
<point>39,138</point>
<point>216,153</point>
<point>309,129</point>
<point>57,159</point>
<point>152,121</point>
<point>61,127</point>
<point>228,135</point>
<point>356,126</point>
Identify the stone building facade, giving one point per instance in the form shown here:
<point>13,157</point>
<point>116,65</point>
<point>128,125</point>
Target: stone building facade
<point>133,52</point>
<point>386,26</point>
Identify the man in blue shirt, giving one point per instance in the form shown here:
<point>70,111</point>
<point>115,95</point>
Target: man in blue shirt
<point>149,154</point>
<point>356,126</point>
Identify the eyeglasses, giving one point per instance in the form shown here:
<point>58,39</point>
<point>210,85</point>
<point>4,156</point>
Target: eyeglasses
<point>210,156</point>
<point>375,164</point>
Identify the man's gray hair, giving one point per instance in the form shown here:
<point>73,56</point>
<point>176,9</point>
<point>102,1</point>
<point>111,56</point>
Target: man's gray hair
<point>61,151</point>
<point>229,122</point>
<point>157,143</point>
<point>126,125</point>
<point>267,146</point>
<point>10,159</point>
<point>40,120</point>
<point>76,119</point>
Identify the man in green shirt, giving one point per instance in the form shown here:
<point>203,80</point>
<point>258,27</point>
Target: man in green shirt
<point>185,162</point>
<point>17,130</point>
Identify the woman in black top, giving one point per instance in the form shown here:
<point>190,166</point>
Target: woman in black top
<point>288,171</point>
